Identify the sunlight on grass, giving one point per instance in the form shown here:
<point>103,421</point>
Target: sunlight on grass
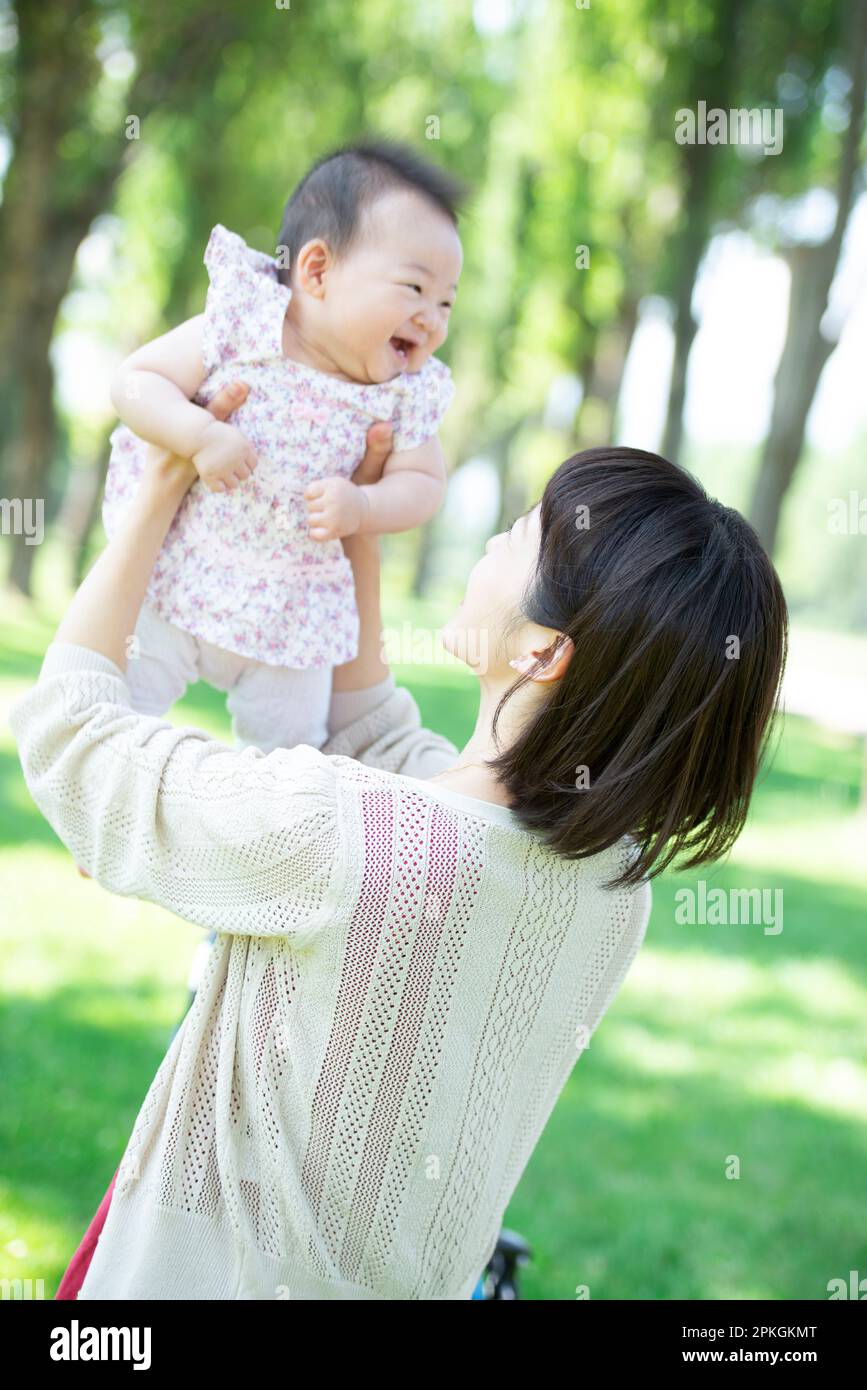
<point>833,844</point>
<point>747,1023</point>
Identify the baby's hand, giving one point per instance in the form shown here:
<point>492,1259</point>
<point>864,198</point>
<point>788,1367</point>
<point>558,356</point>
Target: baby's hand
<point>335,508</point>
<point>224,457</point>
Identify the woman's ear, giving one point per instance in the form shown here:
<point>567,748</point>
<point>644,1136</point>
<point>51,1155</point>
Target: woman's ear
<point>557,657</point>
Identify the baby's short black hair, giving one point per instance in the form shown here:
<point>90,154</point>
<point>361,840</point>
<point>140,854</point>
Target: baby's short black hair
<point>330,199</point>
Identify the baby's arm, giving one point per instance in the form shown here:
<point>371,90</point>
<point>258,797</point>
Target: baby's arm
<point>151,392</point>
<point>408,493</point>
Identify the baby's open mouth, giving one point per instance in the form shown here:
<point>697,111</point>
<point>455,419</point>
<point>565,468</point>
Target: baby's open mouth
<point>401,346</point>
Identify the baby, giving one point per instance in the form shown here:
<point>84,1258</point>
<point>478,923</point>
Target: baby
<point>252,591</point>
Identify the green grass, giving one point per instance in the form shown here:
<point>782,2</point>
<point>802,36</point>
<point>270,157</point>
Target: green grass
<point>725,1043</point>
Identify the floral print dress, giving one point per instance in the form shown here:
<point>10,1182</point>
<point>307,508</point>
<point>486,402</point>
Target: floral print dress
<point>239,569</point>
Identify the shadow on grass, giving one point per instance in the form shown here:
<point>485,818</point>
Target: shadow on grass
<point>805,903</point>
<point>652,1208</point>
<point>72,1088</point>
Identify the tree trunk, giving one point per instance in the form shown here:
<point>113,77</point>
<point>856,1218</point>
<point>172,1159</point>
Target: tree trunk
<point>513,492</point>
<point>693,242</point>
<point>29,460</point>
<point>424,557</point>
<point>82,506</point>
<point>806,349</point>
<point>50,202</point>
<point>596,424</point>
<point>804,354</point>
<point>628,327</point>
<point>715,82</point>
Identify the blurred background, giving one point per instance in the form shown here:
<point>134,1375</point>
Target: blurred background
<point>706,300</point>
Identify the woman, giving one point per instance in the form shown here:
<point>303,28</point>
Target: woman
<point>414,944</point>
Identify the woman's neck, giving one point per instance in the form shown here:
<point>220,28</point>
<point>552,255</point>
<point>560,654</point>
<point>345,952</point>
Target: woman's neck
<point>469,775</point>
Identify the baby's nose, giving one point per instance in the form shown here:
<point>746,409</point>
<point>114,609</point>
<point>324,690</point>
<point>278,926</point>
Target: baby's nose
<point>427,319</point>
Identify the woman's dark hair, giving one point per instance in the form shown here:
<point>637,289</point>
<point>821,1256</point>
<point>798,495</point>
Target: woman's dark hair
<point>333,194</point>
<point>680,630</point>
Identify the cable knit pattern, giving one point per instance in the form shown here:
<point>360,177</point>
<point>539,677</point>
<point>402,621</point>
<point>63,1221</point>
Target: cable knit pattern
<point>402,982</point>
<point>240,569</point>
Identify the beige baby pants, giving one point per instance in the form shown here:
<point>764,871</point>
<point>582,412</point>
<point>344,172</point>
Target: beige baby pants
<point>271,706</point>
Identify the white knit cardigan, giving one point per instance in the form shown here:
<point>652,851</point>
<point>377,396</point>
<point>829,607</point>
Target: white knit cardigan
<point>402,981</point>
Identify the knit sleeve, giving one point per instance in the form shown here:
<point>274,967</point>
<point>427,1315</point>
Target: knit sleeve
<point>382,728</point>
<point>422,400</point>
<point>245,305</point>
<point>238,840</point>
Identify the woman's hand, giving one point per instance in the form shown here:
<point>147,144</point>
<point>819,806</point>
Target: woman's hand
<point>379,438</point>
<point>169,467</point>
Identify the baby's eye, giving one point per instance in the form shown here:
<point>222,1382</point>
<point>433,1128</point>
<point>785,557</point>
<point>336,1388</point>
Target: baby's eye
<point>414,287</point>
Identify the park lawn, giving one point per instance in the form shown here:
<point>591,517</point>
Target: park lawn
<point>726,1042</point>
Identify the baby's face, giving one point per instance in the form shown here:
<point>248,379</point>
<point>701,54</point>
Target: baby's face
<point>387,303</point>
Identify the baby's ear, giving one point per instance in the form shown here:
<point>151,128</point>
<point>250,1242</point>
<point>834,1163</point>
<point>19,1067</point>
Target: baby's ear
<point>313,260</point>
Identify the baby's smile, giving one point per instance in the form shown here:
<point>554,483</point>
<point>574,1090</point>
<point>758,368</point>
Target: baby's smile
<point>402,348</point>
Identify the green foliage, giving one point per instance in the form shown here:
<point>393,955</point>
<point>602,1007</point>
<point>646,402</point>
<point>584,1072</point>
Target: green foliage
<point>561,119</point>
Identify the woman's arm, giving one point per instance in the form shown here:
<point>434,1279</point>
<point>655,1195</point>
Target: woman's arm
<point>104,611</point>
<point>246,842</point>
<point>239,840</point>
<point>367,668</point>
<point>371,719</point>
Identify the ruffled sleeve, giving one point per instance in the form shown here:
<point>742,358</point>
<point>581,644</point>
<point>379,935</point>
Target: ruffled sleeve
<point>246,303</point>
<point>422,400</point>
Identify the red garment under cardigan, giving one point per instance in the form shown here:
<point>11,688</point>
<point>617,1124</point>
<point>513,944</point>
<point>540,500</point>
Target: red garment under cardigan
<point>80,1262</point>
